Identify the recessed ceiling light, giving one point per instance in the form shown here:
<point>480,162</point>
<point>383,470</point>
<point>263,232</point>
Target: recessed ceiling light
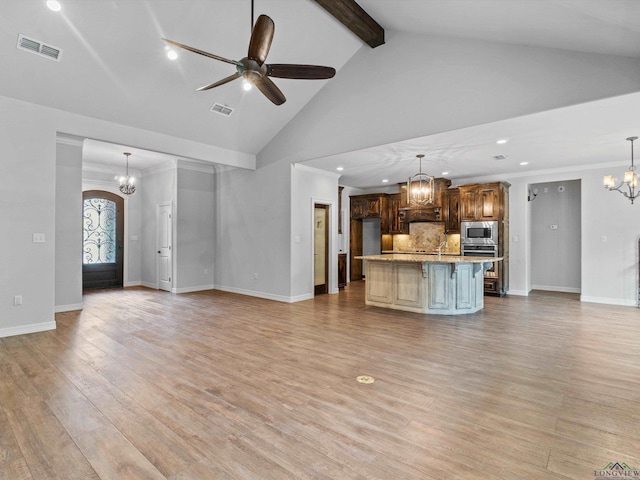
<point>445,173</point>
<point>385,180</point>
<point>172,54</point>
<point>54,5</point>
<point>501,141</point>
<point>339,168</point>
<point>524,163</point>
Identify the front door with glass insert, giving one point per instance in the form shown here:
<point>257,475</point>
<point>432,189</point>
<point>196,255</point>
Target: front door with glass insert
<point>103,239</point>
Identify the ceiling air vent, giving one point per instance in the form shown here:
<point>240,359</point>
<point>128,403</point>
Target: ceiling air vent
<point>222,109</point>
<point>39,48</point>
<point>500,157</point>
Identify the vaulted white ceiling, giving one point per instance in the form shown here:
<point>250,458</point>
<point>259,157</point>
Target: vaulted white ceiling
<point>114,67</point>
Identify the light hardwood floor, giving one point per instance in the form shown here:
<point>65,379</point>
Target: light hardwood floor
<point>143,384</point>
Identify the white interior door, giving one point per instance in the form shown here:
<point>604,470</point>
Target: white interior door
<point>164,263</point>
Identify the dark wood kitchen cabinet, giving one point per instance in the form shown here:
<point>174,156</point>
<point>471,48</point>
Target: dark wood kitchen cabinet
<point>452,210</point>
<point>397,223</point>
<point>483,202</point>
<point>364,207</point>
<point>342,270</point>
<point>368,206</point>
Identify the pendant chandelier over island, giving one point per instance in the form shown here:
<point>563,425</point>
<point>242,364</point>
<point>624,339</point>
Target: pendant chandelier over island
<point>420,188</point>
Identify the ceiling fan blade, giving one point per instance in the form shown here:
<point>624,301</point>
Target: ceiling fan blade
<point>304,72</point>
<point>270,90</point>
<point>261,38</point>
<point>220,82</point>
<point>201,52</point>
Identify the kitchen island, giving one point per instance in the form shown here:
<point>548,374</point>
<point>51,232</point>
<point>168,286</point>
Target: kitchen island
<point>428,284</point>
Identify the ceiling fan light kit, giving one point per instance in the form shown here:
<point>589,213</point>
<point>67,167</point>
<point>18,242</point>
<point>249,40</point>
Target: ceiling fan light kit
<point>253,69</point>
<point>630,179</point>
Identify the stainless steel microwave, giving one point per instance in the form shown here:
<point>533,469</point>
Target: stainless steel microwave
<point>479,233</point>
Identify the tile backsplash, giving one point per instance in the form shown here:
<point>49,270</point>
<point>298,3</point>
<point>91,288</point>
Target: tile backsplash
<point>425,236</point>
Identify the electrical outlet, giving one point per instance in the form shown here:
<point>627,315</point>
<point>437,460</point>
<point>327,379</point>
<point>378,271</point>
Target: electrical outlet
<point>17,300</point>
<point>554,227</point>
<point>603,239</point>
<point>38,238</point>
<point>255,276</point>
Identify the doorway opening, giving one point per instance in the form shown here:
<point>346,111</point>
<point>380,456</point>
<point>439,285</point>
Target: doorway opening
<point>320,249</point>
<point>556,236</point>
<point>102,240</point>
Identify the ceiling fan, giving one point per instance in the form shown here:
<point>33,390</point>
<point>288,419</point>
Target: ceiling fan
<point>253,69</point>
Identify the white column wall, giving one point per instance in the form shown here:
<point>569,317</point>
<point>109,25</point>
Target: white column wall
<point>68,226</point>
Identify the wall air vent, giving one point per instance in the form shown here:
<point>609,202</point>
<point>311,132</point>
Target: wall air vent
<point>500,157</point>
<point>39,48</point>
<point>222,109</point>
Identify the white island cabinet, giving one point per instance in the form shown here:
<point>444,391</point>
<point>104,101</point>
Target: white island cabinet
<point>429,284</point>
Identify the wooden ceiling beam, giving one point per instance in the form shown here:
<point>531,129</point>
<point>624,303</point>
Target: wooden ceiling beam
<point>352,16</point>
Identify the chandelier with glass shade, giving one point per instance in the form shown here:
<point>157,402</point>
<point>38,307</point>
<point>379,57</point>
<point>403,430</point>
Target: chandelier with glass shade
<point>630,182</point>
<point>127,183</point>
<point>420,188</point>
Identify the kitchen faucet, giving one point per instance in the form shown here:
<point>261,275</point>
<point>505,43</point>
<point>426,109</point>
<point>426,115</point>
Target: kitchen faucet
<point>443,243</point>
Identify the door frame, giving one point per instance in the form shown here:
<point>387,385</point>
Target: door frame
<point>120,240</point>
<point>111,188</point>
<point>172,288</point>
<point>325,286</point>
<point>332,251</point>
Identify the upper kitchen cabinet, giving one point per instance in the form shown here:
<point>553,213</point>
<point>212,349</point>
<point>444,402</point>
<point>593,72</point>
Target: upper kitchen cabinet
<point>368,206</point>
<point>482,202</point>
<point>452,210</point>
<point>397,223</point>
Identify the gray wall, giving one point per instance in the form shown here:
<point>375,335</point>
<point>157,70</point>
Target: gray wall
<point>159,188</point>
<point>253,211</point>
<point>555,253</point>
<point>68,239</point>
<point>195,232</point>
<point>370,238</point>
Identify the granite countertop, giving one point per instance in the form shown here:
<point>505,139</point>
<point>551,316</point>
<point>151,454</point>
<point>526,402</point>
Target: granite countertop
<point>417,252</point>
<point>421,257</point>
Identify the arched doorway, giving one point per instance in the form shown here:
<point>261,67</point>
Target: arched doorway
<point>102,239</point>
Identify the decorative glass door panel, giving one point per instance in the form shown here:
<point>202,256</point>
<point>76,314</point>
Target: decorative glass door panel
<point>102,239</point>
<point>99,231</point>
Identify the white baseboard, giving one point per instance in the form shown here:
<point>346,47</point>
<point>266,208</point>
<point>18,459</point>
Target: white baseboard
<point>132,284</point>
<point>199,288</point>
<point>552,288</point>
<point>149,285</point>
<point>268,296</point>
<point>68,308</point>
<point>301,298</point>
<point>33,328</point>
<point>518,293</point>
<point>609,301</point>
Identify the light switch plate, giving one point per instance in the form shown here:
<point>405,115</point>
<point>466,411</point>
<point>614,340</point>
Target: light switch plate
<point>38,238</point>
